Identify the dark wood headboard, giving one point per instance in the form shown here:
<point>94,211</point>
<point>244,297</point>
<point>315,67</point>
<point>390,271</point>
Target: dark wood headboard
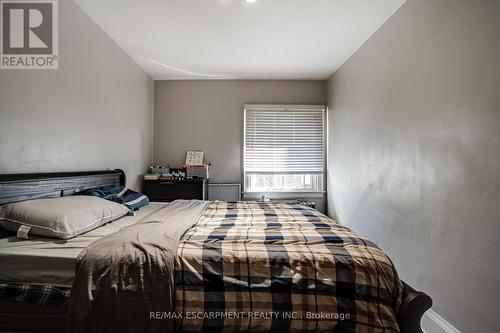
<point>24,186</point>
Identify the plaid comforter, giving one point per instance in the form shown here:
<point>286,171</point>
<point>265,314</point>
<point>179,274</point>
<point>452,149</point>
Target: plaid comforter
<point>260,267</point>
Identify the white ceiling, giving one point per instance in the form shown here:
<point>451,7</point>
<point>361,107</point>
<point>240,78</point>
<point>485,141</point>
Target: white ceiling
<point>232,39</point>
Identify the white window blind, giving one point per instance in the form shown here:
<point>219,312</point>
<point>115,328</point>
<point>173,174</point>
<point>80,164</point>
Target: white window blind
<point>284,148</point>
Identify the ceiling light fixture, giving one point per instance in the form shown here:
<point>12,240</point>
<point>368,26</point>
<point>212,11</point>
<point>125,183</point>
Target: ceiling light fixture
<point>250,1</point>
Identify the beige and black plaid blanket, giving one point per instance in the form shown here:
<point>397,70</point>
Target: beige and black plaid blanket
<point>270,267</point>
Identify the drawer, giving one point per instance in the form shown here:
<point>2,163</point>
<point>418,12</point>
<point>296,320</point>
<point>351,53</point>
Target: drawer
<point>168,191</point>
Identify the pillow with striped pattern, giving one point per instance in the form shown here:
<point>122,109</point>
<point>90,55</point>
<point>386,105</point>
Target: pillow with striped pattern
<point>64,217</point>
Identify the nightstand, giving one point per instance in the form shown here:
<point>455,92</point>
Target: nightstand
<point>166,191</point>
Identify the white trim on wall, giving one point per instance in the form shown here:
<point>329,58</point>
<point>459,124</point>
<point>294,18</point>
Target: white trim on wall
<point>434,323</point>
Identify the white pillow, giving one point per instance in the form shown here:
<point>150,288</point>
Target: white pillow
<point>64,217</point>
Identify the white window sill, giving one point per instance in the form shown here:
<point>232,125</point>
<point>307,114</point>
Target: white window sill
<point>283,195</point>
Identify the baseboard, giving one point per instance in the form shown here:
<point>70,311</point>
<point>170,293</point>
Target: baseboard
<point>434,323</point>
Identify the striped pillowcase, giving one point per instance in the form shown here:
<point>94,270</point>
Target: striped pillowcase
<point>64,217</point>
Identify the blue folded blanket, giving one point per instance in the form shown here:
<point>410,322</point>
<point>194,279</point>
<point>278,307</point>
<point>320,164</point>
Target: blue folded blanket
<point>120,194</point>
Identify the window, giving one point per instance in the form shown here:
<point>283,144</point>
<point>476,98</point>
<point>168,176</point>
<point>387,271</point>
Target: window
<point>284,148</point>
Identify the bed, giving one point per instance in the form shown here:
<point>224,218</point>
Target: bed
<point>236,266</point>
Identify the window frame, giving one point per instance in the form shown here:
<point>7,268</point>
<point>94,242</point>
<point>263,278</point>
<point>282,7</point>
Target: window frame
<point>277,107</point>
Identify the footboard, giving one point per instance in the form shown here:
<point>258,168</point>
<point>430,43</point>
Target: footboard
<point>413,307</point>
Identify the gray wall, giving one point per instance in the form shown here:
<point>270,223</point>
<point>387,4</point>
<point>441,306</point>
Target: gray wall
<point>208,115</point>
<point>415,152</point>
<point>94,112</point>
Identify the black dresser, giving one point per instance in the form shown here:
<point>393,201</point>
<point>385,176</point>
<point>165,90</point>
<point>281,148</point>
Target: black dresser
<point>166,191</point>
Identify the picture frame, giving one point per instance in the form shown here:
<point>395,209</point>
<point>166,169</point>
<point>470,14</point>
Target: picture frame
<point>194,158</point>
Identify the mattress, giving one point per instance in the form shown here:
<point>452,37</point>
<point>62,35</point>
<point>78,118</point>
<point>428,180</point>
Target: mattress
<point>46,261</point>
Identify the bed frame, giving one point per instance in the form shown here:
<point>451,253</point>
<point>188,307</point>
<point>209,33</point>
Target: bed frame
<point>24,186</point>
<point>25,317</point>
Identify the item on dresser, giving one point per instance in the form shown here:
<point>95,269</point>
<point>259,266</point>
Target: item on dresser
<point>152,176</point>
<point>178,173</point>
<point>195,171</point>
<point>158,168</point>
<point>194,158</point>
<point>166,177</point>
